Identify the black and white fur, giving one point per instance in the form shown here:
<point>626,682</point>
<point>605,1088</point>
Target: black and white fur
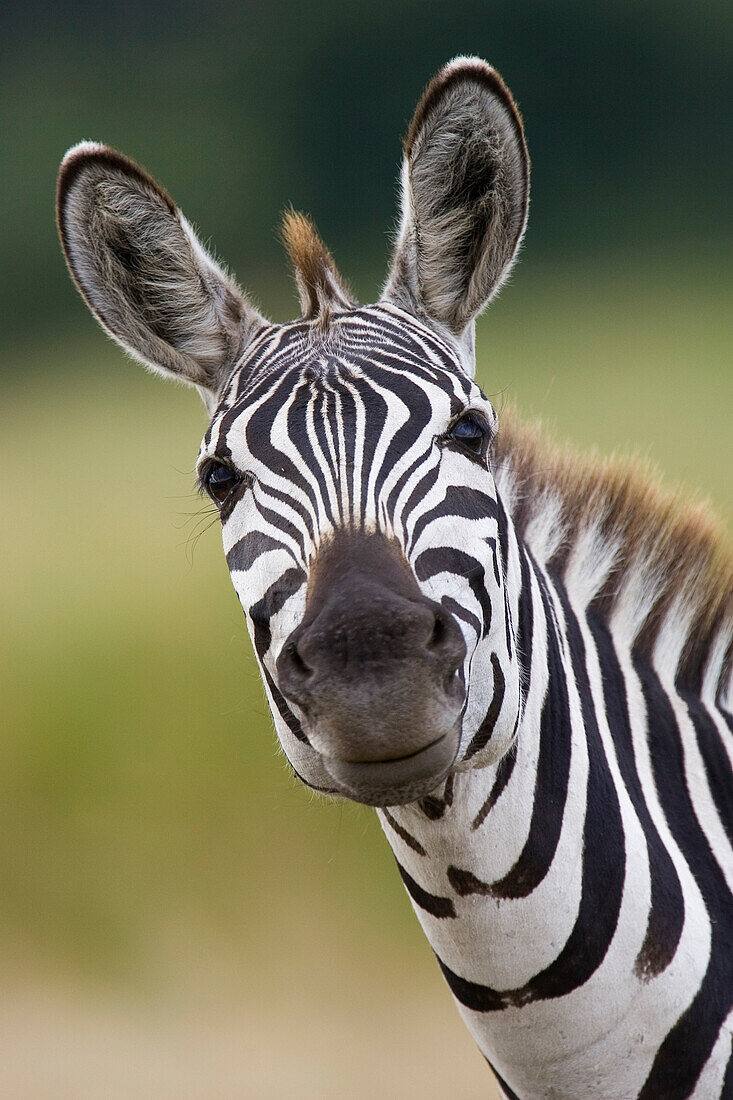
<point>572,864</point>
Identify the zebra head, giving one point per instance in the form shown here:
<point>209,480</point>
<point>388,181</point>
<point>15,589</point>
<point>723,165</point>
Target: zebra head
<point>349,452</point>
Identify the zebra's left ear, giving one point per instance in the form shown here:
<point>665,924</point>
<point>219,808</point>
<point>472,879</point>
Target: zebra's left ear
<point>465,195</point>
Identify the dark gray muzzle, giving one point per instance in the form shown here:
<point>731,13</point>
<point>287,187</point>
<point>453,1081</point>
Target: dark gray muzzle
<point>375,668</point>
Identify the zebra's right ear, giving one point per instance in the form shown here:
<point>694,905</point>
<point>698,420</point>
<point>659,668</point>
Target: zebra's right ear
<point>465,195</point>
<point>145,275</point>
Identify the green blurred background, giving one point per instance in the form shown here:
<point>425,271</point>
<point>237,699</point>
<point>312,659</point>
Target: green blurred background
<point>178,918</point>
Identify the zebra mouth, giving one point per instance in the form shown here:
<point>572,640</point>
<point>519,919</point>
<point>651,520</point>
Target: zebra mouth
<point>397,781</point>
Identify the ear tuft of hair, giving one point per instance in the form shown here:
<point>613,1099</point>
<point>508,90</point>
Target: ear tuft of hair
<point>320,287</point>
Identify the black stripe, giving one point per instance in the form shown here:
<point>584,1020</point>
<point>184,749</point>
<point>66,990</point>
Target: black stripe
<point>431,903</point>
<point>604,854</point>
<point>462,613</point>
<point>459,501</point>
<point>494,558</point>
<point>258,431</point>
<point>503,532</point>
<point>273,356</point>
<point>465,882</point>
<point>423,487</point>
<point>401,335</point>
<point>446,559</point>
<point>718,770</point>
<point>375,415</point>
<point>479,998</point>
<point>275,519</point>
<point>408,838</point>
<point>402,480</point>
<point>347,406</point>
<point>323,410</point>
<point>482,735</point>
<point>667,907</point>
<point>250,547</point>
<point>602,870</point>
<point>525,620</point>
<point>553,772</point>
<point>697,1029</point>
<point>414,398</point>
<point>524,638</point>
<point>508,1093</point>
<point>298,433</point>
<point>284,710</point>
<point>274,599</point>
<point>504,770</point>
<point>399,366</point>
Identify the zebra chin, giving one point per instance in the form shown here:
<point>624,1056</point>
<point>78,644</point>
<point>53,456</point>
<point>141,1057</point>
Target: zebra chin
<point>396,782</point>
<point>384,741</point>
<point>389,782</point>
<point>390,746</point>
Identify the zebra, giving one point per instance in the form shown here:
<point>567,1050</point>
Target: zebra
<point>521,657</point>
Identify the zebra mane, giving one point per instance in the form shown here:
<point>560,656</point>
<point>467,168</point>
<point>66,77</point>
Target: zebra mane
<point>320,287</point>
<point>654,563</point>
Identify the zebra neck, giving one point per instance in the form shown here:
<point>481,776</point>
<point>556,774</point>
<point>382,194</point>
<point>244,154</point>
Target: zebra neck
<point>497,838</point>
<point>556,893</point>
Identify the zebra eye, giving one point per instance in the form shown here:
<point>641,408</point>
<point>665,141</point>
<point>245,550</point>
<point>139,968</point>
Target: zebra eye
<point>470,432</point>
<point>219,481</point>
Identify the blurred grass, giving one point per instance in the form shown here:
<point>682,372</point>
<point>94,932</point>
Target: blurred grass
<point>150,834</point>
<point>141,757</point>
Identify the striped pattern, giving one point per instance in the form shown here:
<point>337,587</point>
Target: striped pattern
<point>574,870</point>
<point>344,430</point>
<point>590,872</point>
<point>574,874</point>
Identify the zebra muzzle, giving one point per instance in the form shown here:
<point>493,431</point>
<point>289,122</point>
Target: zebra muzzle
<point>375,672</point>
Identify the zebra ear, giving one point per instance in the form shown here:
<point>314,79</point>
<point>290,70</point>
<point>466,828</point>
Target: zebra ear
<point>465,194</point>
<point>144,274</point>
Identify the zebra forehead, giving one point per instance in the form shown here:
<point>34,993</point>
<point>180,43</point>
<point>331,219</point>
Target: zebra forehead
<point>373,343</point>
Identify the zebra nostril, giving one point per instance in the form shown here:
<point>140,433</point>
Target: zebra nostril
<point>297,663</point>
<point>445,641</point>
<point>453,682</point>
<point>293,672</point>
<point>437,638</point>
<point>447,647</point>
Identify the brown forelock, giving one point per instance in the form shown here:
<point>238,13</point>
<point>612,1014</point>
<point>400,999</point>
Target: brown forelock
<point>471,70</point>
<point>315,271</point>
<point>660,533</point>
